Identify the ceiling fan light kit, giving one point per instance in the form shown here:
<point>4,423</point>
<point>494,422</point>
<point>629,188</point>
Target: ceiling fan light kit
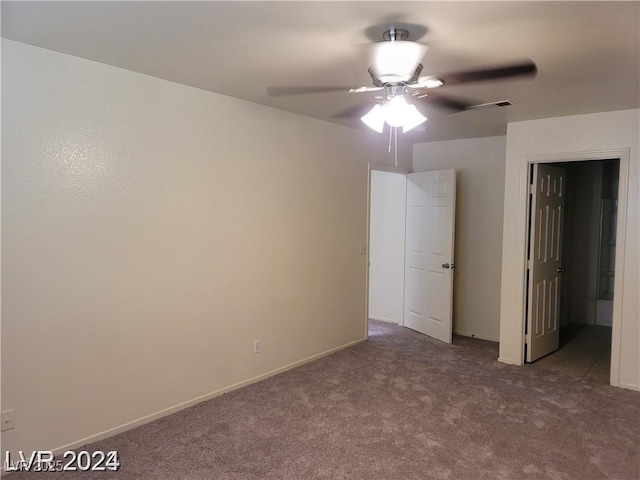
<point>395,112</point>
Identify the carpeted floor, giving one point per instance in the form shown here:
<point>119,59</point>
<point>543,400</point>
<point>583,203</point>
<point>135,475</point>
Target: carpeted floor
<point>401,406</point>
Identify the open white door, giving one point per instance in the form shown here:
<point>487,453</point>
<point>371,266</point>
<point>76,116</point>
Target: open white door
<point>545,257</point>
<point>429,265</point>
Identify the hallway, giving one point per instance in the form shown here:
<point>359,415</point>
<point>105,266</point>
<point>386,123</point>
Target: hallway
<point>585,351</point>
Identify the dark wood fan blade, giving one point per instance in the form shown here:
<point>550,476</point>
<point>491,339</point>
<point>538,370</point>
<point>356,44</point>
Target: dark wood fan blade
<point>355,111</point>
<point>283,91</point>
<point>520,69</point>
<point>452,104</point>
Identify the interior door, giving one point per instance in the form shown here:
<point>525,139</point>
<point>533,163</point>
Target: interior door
<point>545,260</point>
<point>428,301</point>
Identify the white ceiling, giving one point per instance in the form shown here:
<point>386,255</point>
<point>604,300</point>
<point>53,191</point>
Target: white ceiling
<point>587,53</point>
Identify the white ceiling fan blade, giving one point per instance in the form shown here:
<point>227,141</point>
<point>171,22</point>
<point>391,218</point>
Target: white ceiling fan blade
<point>365,89</point>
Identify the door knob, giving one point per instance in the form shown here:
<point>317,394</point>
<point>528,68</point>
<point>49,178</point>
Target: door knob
<point>446,265</point>
<point>562,270</point>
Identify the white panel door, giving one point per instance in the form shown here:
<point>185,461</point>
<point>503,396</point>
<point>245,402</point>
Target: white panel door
<point>430,222</point>
<point>545,260</point>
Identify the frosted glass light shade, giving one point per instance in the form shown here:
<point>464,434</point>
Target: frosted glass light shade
<point>397,60</point>
<point>412,118</point>
<point>375,118</point>
<point>396,111</point>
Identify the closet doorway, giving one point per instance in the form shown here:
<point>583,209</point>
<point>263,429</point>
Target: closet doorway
<point>579,300</point>
<point>410,238</point>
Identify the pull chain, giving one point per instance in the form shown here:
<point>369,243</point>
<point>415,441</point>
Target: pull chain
<point>393,139</point>
<point>395,133</point>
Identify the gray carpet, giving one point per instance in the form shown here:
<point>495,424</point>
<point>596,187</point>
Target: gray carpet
<point>401,406</point>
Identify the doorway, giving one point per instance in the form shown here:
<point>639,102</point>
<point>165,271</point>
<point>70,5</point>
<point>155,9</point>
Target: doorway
<point>410,239</point>
<point>387,212</point>
<point>587,265</point>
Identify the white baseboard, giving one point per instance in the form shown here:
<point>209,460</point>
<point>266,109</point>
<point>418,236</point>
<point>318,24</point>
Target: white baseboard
<point>630,386</point>
<point>475,335</point>
<point>384,319</point>
<point>189,403</point>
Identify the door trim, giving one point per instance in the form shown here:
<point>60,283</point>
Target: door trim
<point>381,168</point>
<point>623,156</point>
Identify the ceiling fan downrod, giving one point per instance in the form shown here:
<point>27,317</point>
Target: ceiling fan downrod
<point>394,34</point>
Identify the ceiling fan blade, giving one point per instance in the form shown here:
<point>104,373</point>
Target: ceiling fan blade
<point>355,111</point>
<point>452,104</point>
<point>283,91</point>
<point>365,89</point>
<point>520,69</point>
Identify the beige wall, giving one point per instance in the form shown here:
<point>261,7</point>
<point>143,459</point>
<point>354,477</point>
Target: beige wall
<point>479,163</point>
<point>151,231</point>
<point>579,135</point>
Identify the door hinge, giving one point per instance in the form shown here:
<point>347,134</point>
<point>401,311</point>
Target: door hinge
<point>532,189</point>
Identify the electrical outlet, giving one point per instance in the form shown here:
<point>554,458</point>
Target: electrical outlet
<point>8,420</point>
<point>256,346</point>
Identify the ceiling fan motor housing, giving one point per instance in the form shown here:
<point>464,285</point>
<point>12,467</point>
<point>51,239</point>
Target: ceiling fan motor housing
<point>394,34</point>
<point>394,90</point>
<point>382,79</point>
<point>392,71</point>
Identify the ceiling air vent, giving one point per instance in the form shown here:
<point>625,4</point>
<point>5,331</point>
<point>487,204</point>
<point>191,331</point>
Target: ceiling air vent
<point>500,103</point>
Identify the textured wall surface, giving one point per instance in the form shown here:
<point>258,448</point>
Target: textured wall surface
<point>152,231</point>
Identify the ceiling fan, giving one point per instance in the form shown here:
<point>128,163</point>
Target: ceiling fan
<point>397,73</point>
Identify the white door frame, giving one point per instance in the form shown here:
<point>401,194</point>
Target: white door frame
<point>380,168</point>
<point>623,156</point>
